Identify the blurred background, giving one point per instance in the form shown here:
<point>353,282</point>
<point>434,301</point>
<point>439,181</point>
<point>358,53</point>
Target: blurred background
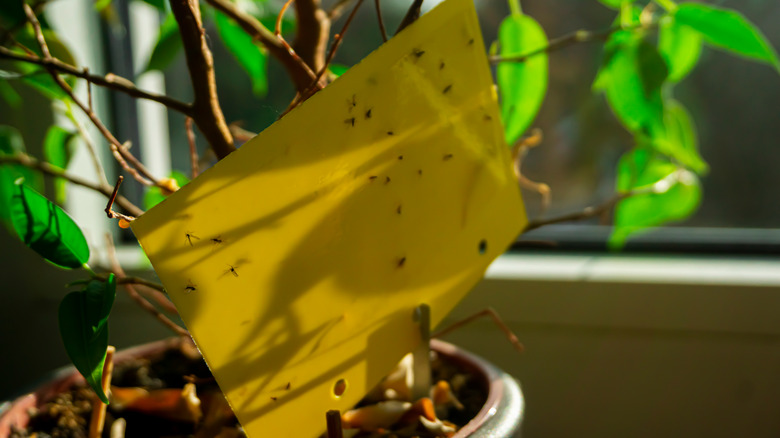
<point>635,355</point>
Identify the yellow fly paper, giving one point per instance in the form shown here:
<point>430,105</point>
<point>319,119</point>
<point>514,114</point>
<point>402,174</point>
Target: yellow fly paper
<point>297,261</point>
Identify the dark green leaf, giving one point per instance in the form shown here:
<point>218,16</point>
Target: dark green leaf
<point>83,321</point>
<point>47,229</point>
<point>252,58</point>
<point>522,84</point>
<point>667,193</point>
<point>680,46</point>
<point>58,147</point>
<point>167,47</point>
<point>631,77</point>
<point>154,195</point>
<point>728,30</point>
<point>11,14</point>
<point>11,143</point>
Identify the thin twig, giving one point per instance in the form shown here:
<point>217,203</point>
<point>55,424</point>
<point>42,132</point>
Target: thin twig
<point>382,29</point>
<point>119,152</point>
<point>206,110</point>
<point>193,148</point>
<point>141,301</point>
<point>587,213</point>
<point>50,170</point>
<point>110,81</point>
<point>290,50</point>
<point>87,139</point>
<point>496,320</point>
<point>89,91</point>
<point>240,133</point>
<point>580,36</point>
<point>111,198</point>
<point>154,290</point>
<point>299,72</point>
<point>315,84</point>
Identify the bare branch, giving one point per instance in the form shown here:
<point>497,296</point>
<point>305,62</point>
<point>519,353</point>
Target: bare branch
<point>141,301</point>
<point>382,29</point>
<point>300,73</point>
<point>118,150</point>
<point>580,36</point>
<point>110,80</point>
<point>316,84</point>
<point>490,312</point>
<point>587,213</point>
<point>193,148</point>
<point>313,30</point>
<point>206,111</point>
<point>53,171</point>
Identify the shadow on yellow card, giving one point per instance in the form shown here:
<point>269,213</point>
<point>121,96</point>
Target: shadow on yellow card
<point>298,260</point>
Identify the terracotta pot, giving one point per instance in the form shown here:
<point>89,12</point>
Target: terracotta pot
<point>501,415</point>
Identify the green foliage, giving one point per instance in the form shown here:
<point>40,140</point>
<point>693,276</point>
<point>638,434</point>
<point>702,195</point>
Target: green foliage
<point>43,226</point>
<point>681,142</point>
<point>522,84</point>
<point>664,193</point>
<point>83,321</point>
<point>155,196</point>
<point>37,77</point>
<point>631,77</point>
<point>11,143</point>
<point>680,46</point>
<point>728,30</point>
<point>58,148</point>
<point>252,58</point>
<point>338,69</point>
<point>167,47</point>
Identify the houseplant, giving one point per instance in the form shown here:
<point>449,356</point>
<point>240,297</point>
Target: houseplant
<point>663,185</point>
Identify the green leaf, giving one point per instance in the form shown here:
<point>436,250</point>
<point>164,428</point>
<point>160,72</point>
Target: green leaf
<point>682,140</point>
<point>9,95</point>
<point>47,229</point>
<point>252,58</point>
<point>631,77</point>
<point>155,196</point>
<point>167,47</point>
<point>83,321</point>
<point>613,4</point>
<point>522,84</point>
<point>58,148</point>
<point>667,194</point>
<point>680,46</point>
<point>728,30</point>
<point>338,69</point>
<point>11,143</point>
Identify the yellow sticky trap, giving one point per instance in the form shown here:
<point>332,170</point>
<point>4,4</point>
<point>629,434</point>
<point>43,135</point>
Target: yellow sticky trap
<point>297,262</point>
